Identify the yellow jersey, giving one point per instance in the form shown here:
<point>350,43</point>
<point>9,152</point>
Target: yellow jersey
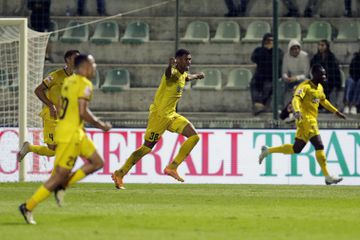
<point>169,93</point>
<point>54,82</point>
<point>310,97</point>
<point>70,123</point>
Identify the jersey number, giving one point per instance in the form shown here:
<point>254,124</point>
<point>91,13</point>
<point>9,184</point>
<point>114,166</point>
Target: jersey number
<point>154,136</point>
<point>65,103</point>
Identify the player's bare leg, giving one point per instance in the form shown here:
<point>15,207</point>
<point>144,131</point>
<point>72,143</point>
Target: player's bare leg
<point>43,192</point>
<point>185,149</point>
<point>139,153</point>
<point>95,163</point>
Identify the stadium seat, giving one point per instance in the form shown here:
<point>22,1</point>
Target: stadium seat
<point>116,80</point>
<point>348,32</point>
<point>105,33</point>
<point>136,33</point>
<point>239,79</point>
<point>228,31</point>
<point>197,32</point>
<point>212,80</point>
<point>256,31</point>
<point>289,30</point>
<point>54,27</point>
<point>317,31</point>
<point>76,34</point>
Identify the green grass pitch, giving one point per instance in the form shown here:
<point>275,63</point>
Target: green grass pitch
<point>185,211</point>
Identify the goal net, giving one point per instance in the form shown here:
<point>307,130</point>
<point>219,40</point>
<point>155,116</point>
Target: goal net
<point>22,54</point>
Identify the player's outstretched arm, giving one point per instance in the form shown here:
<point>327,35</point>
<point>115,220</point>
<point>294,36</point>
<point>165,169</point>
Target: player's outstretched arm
<point>195,76</point>
<point>328,106</point>
<point>89,117</point>
<point>40,92</point>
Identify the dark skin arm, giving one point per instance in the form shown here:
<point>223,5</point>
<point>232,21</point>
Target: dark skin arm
<point>40,92</point>
<point>195,76</point>
<point>172,63</point>
<point>89,117</point>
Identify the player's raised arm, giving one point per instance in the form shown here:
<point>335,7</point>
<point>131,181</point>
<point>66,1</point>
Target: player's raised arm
<point>89,117</point>
<point>168,71</point>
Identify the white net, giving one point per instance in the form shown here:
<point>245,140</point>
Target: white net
<point>9,93</point>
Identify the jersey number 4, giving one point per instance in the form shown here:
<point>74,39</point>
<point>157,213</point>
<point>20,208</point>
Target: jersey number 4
<point>64,106</point>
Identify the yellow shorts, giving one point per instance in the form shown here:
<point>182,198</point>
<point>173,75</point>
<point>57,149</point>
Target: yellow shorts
<point>306,129</point>
<point>158,124</point>
<point>67,153</point>
<point>49,130</point>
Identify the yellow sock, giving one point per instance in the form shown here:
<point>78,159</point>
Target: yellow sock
<point>285,149</point>
<point>184,151</point>
<point>78,175</point>
<point>40,195</point>
<point>321,159</point>
<point>132,160</point>
<point>42,150</point>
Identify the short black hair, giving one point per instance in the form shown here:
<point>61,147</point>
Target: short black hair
<point>316,68</point>
<point>181,52</point>
<point>81,58</point>
<point>70,53</point>
<point>266,37</point>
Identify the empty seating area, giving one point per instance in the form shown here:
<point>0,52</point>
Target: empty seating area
<point>132,51</point>
<point>230,31</point>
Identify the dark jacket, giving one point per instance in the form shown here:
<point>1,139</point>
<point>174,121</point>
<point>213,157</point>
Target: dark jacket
<point>263,59</point>
<point>355,67</point>
<point>40,14</point>
<point>331,65</point>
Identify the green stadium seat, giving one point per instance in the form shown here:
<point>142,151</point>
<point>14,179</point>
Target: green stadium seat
<point>317,31</point>
<point>105,33</point>
<point>256,31</point>
<point>348,32</point>
<point>239,79</point>
<point>116,80</point>
<point>197,32</point>
<point>289,30</point>
<point>54,37</point>
<point>212,80</point>
<point>136,33</point>
<point>228,31</point>
<point>76,34</point>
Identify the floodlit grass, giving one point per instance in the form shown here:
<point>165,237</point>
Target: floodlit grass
<point>185,211</point>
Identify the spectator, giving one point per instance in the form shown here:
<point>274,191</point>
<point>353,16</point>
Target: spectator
<point>100,7</point>
<point>293,10</point>
<point>40,14</point>
<point>312,7</point>
<point>261,84</point>
<point>40,20</point>
<point>352,86</point>
<point>348,8</point>
<point>233,10</point>
<point>327,59</point>
<point>295,68</point>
